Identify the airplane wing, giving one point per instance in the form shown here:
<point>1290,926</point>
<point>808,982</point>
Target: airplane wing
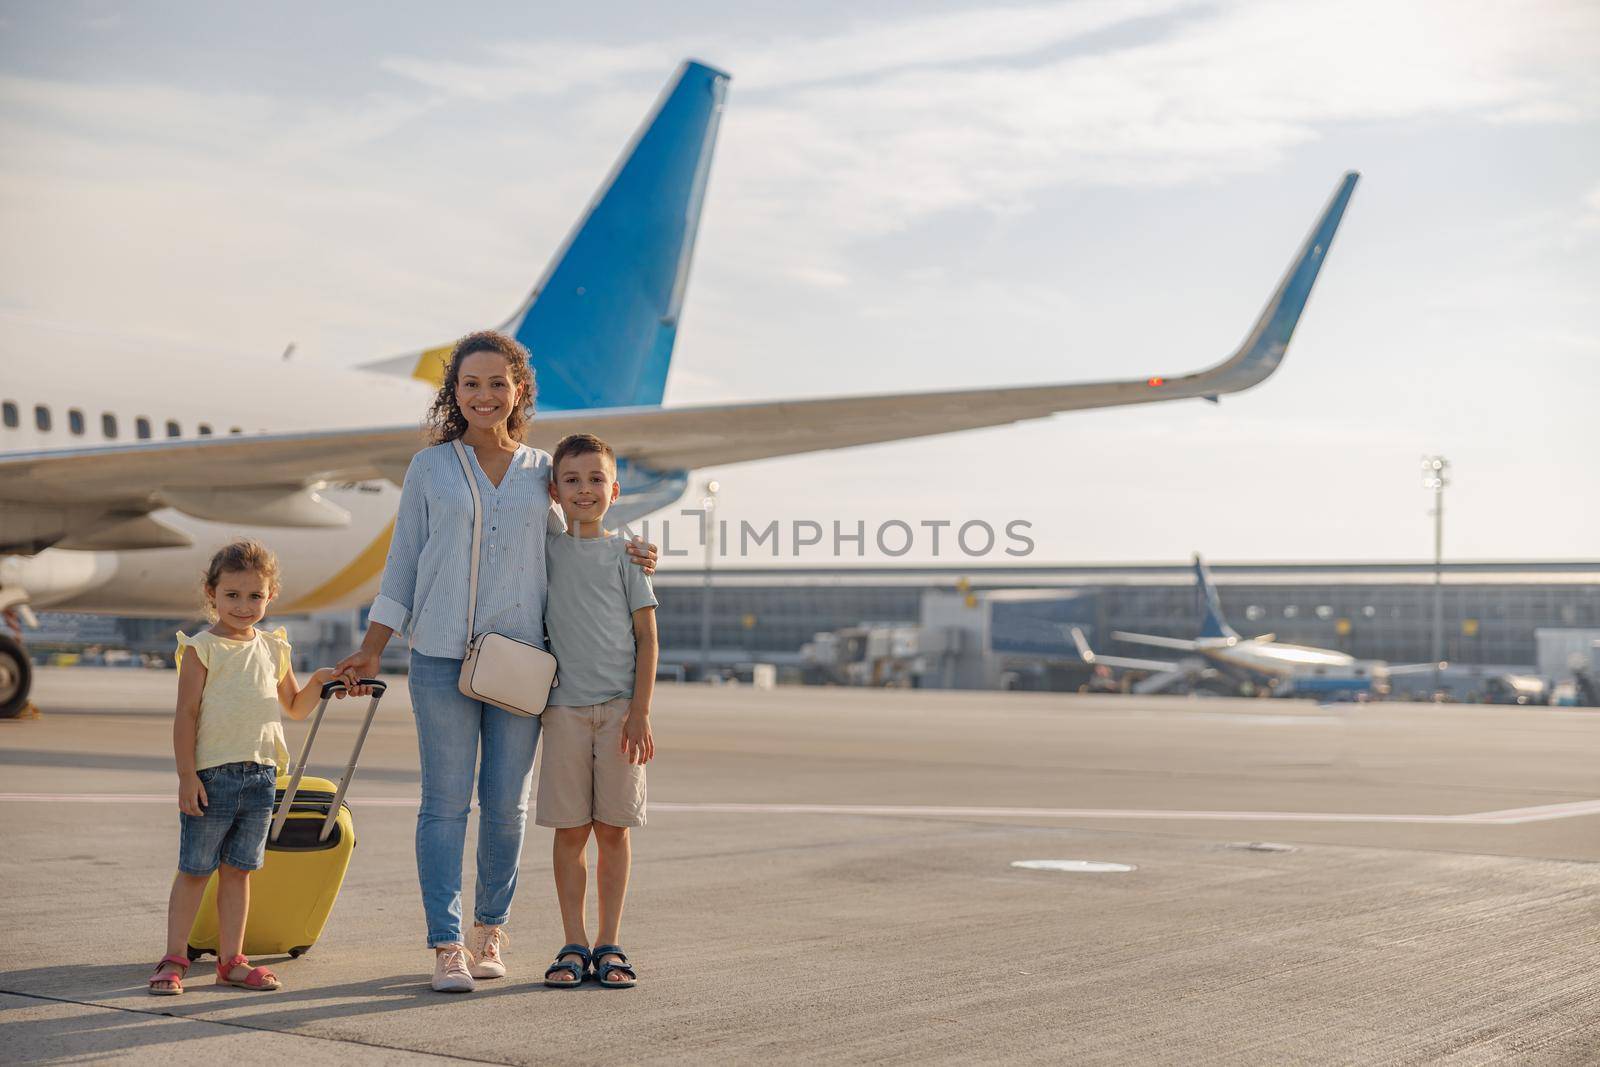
<point>1158,641</point>
<point>1090,656</point>
<point>100,496</point>
<point>685,438</point>
<point>1415,668</point>
<point>119,472</point>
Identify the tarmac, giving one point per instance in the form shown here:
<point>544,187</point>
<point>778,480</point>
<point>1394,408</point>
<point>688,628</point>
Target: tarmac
<point>828,875</point>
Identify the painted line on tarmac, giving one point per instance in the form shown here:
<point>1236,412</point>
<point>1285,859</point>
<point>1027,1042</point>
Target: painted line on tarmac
<point>1507,817</point>
<point>1484,818</point>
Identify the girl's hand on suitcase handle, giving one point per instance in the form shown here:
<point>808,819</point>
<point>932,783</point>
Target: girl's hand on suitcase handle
<point>192,797</point>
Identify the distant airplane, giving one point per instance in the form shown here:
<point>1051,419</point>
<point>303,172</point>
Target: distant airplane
<point>1290,670</point>
<point>117,482</point>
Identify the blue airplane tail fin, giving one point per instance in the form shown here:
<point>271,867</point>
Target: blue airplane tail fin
<point>1212,624</point>
<point>602,321</point>
<point>600,324</point>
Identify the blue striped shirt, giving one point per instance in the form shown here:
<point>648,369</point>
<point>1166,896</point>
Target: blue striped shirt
<point>424,589</point>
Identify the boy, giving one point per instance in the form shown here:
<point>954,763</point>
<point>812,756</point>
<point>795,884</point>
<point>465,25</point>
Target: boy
<point>601,621</point>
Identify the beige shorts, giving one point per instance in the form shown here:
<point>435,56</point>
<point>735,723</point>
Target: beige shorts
<point>585,777</point>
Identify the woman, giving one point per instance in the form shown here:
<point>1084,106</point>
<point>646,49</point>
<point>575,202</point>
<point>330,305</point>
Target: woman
<point>486,401</point>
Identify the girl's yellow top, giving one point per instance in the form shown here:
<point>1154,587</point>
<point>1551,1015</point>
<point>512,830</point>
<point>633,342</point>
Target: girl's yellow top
<point>239,711</point>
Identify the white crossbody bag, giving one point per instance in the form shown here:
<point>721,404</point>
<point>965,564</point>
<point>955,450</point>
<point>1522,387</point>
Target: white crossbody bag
<point>500,670</point>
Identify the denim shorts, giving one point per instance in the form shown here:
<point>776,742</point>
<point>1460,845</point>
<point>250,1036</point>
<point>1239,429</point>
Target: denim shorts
<point>238,813</point>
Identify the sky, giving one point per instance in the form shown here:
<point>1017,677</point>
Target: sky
<point>906,196</point>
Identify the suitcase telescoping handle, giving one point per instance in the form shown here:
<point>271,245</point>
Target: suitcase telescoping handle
<point>298,771</point>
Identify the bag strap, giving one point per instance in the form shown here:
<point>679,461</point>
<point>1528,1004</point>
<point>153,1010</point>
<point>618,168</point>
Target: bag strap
<point>477,534</point>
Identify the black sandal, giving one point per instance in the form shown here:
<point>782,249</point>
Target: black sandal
<point>579,971</point>
<point>603,971</point>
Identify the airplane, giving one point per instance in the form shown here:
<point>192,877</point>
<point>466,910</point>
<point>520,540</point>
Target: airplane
<point>1219,651</point>
<point>118,482</point>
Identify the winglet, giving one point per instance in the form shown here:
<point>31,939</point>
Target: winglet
<point>1085,653</point>
<point>1263,348</point>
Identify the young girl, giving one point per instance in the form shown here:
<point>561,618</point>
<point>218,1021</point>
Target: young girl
<point>229,745</point>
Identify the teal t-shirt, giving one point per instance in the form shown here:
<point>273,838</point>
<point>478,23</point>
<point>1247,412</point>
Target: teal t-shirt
<point>593,593</point>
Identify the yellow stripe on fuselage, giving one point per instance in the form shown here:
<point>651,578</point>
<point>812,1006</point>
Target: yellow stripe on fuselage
<point>355,574</point>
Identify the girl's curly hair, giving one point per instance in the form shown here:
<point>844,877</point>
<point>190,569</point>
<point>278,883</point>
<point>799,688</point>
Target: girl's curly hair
<point>445,421</point>
<point>245,555</point>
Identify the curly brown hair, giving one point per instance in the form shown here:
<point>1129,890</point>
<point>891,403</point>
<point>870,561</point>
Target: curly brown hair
<point>445,421</point>
<point>243,555</point>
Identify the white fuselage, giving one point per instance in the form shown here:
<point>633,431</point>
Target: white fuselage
<point>323,568</point>
<point>1277,659</point>
<point>1307,668</point>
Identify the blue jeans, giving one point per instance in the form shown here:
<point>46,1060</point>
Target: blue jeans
<point>449,728</point>
<point>235,819</point>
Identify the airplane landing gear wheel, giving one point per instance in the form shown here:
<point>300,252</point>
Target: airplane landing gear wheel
<point>16,677</point>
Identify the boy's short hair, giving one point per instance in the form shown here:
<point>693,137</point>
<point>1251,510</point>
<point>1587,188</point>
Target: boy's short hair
<point>582,444</point>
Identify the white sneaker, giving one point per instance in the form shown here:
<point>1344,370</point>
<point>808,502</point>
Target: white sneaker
<point>450,974</point>
<point>485,944</point>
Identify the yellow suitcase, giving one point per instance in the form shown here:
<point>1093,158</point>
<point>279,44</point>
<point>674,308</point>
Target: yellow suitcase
<point>308,852</point>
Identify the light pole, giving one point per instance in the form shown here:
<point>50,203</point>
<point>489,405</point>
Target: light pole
<point>709,504</point>
<point>1435,470</point>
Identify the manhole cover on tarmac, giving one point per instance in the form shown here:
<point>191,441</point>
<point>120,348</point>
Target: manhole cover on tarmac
<point>1077,866</point>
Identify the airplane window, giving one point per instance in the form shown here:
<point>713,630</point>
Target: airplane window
<point>205,430</point>
<point>235,429</point>
<point>1369,611</point>
<point>142,427</point>
<point>1324,611</point>
<point>1254,612</point>
<point>75,421</point>
<point>173,429</point>
<point>1290,611</point>
<point>41,417</point>
<point>10,412</point>
<point>108,424</point>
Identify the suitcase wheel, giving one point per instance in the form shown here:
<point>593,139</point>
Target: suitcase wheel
<point>196,953</point>
<point>298,951</point>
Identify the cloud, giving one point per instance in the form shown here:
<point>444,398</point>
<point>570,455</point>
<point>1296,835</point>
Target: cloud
<point>228,218</point>
<point>832,139</point>
<point>872,49</point>
<point>1229,93</point>
<point>513,69</point>
<point>819,277</point>
<point>506,70</point>
<point>1234,91</point>
<point>885,123</point>
<point>208,126</point>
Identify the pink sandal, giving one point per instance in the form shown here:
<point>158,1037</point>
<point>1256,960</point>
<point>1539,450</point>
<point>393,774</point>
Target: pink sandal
<point>258,978</point>
<point>168,984</point>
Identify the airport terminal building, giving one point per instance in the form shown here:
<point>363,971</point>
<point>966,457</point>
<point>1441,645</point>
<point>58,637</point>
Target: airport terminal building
<point>1491,611</point>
